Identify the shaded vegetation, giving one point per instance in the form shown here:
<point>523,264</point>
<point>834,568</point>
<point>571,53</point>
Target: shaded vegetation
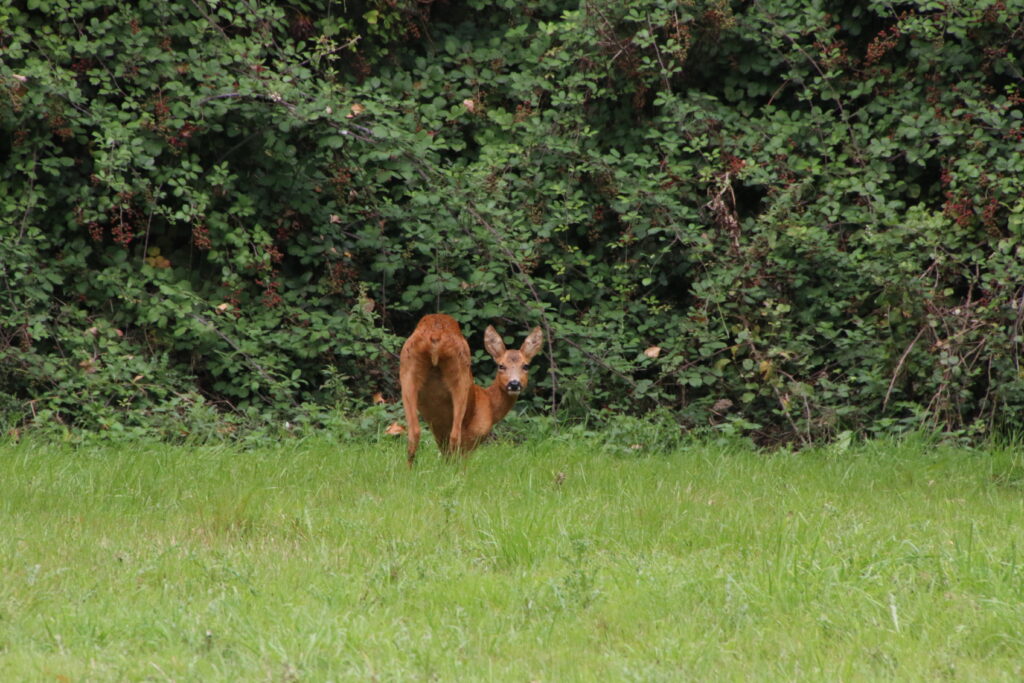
<point>765,218</point>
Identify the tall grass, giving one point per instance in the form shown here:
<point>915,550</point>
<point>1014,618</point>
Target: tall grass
<point>551,560</point>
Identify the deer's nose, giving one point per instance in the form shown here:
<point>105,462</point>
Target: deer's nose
<point>514,387</point>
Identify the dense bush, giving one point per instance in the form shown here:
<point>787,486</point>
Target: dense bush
<point>762,217</point>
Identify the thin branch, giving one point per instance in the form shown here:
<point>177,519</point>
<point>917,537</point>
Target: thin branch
<point>511,258</point>
<point>899,366</point>
<point>817,67</point>
<point>364,135</point>
<point>657,53</point>
<point>249,360</point>
<point>626,378</point>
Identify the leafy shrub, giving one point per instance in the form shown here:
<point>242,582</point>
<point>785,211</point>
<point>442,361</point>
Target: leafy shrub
<point>763,218</point>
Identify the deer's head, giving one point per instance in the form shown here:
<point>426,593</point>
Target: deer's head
<point>513,364</point>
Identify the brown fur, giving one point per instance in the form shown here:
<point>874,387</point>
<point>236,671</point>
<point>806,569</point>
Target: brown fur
<point>437,384</point>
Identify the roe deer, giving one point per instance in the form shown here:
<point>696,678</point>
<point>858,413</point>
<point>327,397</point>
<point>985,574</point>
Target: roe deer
<point>437,383</point>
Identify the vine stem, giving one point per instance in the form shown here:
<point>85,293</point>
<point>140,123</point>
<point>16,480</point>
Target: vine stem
<point>524,276</point>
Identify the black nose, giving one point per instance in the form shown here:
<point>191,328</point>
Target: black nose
<point>514,386</point>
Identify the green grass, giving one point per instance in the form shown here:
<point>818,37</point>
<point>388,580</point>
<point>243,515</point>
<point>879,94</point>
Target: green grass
<point>552,560</point>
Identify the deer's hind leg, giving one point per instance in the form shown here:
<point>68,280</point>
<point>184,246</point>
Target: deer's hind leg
<point>410,402</point>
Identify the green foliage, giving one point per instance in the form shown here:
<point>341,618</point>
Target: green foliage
<point>764,218</point>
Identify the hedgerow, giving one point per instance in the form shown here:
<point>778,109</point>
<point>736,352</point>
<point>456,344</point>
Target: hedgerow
<point>761,218</point>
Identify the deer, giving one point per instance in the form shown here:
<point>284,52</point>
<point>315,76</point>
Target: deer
<point>437,384</point>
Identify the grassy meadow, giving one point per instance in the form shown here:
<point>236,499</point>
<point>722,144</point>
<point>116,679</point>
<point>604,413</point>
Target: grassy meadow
<point>552,560</point>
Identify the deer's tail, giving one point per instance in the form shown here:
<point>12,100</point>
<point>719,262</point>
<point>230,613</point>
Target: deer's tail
<point>435,350</point>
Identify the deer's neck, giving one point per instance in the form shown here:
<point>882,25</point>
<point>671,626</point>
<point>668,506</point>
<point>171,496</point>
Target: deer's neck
<point>501,401</point>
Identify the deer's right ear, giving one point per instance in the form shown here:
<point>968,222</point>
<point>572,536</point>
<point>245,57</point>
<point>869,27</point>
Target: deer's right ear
<point>493,342</point>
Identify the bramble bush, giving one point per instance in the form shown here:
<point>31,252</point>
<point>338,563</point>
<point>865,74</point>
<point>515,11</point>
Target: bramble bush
<point>768,219</point>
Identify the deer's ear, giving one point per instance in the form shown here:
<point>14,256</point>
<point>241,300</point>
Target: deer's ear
<point>532,344</point>
<point>493,342</point>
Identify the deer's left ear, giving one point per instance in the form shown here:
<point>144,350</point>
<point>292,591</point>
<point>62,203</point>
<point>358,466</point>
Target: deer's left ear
<point>532,344</point>
<point>493,342</point>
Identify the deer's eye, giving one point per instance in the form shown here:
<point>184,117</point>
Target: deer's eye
<point>502,368</point>
<point>526,366</point>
